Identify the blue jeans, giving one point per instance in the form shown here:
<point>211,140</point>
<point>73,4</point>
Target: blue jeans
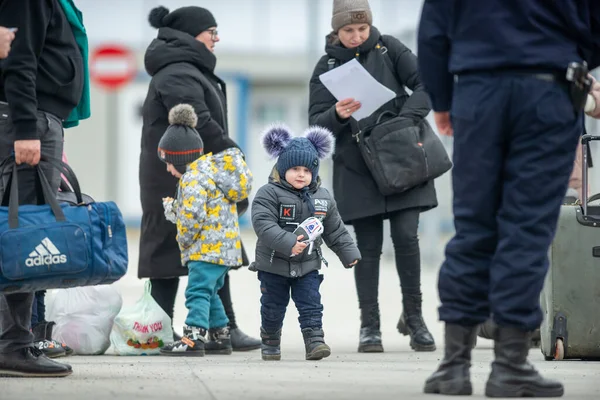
<point>38,311</point>
<point>205,309</point>
<point>275,297</point>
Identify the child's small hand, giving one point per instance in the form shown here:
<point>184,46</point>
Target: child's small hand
<point>299,246</point>
<point>352,264</point>
<point>168,203</point>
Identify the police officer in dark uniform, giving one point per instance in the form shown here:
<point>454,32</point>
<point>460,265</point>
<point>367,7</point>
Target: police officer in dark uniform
<point>496,72</point>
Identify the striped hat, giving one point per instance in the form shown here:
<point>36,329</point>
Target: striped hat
<point>181,144</point>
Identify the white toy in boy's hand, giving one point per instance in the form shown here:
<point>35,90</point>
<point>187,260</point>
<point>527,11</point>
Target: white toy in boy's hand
<point>308,231</point>
<point>169,212</point>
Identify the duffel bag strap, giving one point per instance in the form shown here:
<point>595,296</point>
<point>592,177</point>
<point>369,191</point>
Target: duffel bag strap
<point>63,167</point>
<point>69,174</point>
<point>49,198</point>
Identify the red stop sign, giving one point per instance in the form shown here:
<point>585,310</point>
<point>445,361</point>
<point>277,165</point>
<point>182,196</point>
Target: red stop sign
<point>112,66</point>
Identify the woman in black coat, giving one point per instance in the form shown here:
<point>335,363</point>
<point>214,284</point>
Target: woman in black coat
<point>358,199</point>
<point>181,63</point>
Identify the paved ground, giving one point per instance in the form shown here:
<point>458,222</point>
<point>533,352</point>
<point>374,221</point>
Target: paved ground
<point>398,373</point>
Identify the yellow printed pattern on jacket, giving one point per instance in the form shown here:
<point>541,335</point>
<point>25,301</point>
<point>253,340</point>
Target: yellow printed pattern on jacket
<point>205,210</point>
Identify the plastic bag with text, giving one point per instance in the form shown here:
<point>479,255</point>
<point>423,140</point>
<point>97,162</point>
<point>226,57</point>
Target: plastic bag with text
<point>84,317</point>
<point>142,329</point>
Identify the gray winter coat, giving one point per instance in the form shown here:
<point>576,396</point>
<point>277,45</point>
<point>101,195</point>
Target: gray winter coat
<point>277,210</point>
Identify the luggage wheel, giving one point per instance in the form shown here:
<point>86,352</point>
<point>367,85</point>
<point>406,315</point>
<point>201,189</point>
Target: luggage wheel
<point>559,349</point>
<point>560,335</point>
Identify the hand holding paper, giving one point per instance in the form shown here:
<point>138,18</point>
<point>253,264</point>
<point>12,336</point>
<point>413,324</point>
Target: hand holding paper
<point>352,81</point>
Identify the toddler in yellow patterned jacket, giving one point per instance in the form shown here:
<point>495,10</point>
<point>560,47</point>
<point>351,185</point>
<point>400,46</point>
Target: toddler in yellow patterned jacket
<point>208,233</point>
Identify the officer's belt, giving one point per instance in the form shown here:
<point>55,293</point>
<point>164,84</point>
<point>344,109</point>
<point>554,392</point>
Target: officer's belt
<point>548,75</point>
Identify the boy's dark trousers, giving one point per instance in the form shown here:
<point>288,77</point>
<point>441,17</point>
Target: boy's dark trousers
<point>275,297</point>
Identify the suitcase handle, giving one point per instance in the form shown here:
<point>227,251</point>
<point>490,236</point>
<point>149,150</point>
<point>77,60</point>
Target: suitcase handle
<point>585,142</point>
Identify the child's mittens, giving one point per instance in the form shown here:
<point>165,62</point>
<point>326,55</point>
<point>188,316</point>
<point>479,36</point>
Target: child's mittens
<point>169,212</point>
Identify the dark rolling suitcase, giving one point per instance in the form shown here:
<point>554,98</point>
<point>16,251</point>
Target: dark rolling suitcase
<point>570,298</point>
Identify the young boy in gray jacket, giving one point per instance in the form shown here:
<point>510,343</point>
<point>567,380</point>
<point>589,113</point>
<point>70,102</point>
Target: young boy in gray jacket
<point>284,263</point>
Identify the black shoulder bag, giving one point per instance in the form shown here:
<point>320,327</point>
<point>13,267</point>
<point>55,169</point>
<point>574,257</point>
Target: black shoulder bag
<point>399,152</point>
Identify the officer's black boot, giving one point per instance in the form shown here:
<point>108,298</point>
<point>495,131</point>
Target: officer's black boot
<point>411,323</point>
<point>219,341</point>
<point>512,375</point>
<point>242,342</point>
<point>270,349</point>
<point>452,376</point>
<point>370,334</point>
<point>314,341</point>
<point>488,329</point>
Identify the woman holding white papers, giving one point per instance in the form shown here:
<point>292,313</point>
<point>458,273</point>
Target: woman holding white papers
<point>359,201</point>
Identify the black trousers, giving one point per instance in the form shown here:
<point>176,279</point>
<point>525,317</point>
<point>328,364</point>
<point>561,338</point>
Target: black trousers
<point>369,237</point>
<point>164,291</point>
<point>16,309</point>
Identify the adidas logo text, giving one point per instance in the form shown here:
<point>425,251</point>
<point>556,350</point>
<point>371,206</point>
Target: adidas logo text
<point>45,253</point>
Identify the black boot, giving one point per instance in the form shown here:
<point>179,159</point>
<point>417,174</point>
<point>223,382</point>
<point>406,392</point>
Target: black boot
<point>190,345</point>
<point>48,347</point>
<point>411,323</point>
<point>370,340</point>
<point>452,376</point>
<point>370,334</point>
<point>314,342</point>
<point>219,341</point>
<point>488,329</point>
<point>242,342</point>
<point>270,348</point>
<point>512,375</point>
<point>31,362</point>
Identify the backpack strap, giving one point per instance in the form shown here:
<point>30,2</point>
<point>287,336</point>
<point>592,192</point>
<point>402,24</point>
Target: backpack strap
<point>331,63</point>
<point>388,60</point>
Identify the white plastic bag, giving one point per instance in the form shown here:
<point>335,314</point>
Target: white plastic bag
<point>84,317</point>
<point>142,329</point>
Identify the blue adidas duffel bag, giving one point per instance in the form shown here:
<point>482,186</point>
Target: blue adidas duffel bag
<point>59,245</point>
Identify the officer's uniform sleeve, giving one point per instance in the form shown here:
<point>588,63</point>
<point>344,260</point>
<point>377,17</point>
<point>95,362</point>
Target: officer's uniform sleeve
<point>434,53</point>
<point>595,16</point>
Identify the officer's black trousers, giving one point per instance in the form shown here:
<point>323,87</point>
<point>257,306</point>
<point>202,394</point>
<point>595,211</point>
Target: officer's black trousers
<point>514,147</point>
